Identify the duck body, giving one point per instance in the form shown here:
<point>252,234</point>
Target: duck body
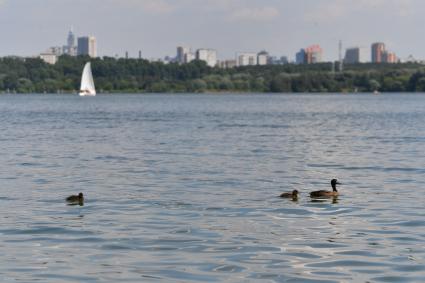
<point>75,198</point>
<point>293,195</point>
<point>327,194</point>
<point>323,193</point>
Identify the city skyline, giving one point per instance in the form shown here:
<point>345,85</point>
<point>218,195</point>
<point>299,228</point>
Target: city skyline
<point>87,45</point>
<point>157,27</point>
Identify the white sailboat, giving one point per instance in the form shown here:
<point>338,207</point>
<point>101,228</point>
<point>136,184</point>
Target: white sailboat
<point>87,84</point>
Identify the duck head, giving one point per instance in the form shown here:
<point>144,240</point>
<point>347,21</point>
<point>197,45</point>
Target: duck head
<point>334,182</point>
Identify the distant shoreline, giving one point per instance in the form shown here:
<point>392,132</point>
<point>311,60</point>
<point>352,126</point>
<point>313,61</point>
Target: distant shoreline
<point>221,93</point>
<point>32,75</point>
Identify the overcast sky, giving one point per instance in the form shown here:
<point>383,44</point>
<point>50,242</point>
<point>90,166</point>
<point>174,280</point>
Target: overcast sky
<point>28,27</point>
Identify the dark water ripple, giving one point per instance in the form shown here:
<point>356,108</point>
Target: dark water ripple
<point>183,188</point>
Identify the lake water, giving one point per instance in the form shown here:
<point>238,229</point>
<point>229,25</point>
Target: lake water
<point>183,188</point>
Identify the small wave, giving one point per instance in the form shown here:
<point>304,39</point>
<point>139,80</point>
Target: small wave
<point>45,230</point>
<point>411,223</point>
<point>226,268</point>
<point>347,263</point>
<point>262,126</point>
<point>395,279</point>
<point>29,164</point>
<point>291,211</point>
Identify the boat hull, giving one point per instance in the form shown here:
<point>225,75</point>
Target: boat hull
<point>87,94</point>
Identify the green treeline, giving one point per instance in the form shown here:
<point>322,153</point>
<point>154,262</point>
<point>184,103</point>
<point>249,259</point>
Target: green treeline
<point>32,75</point>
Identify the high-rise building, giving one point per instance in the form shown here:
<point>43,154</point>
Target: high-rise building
<point>263,58</point>
<point>310,55</point>
<point>246,59</point>
<point>71,40</point>
<point>314,54</point>
<point>182,54</point>
<point>207,55</point>
<point>87,46</point>
<point>378,50</point>
<point>356,55</point>
<point>389,57</point>
<point>381,55</point>
<point>300,57</point>
<point>70,48</point>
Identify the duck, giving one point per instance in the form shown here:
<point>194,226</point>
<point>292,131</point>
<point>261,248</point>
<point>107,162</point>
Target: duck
<point>293,195</point>
<point>76,198</point>
<point>327,194</point>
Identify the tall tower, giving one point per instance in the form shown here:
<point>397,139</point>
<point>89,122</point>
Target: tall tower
<point>71,38</point>
<point>378,50</point>
<point>341,62</point>
<point>71,48</point>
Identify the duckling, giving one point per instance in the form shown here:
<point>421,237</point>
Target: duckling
<point>327,194</point>
<point>76,198</point>
<point>293,195</point>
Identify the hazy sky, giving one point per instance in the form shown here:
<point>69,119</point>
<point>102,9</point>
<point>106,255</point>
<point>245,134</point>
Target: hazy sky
<point>156,27</point>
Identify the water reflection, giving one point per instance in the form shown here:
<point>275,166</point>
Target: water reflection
<point>72,203</point>
<point>333,200</point>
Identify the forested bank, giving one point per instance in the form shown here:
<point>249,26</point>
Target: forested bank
<point>32,75</point>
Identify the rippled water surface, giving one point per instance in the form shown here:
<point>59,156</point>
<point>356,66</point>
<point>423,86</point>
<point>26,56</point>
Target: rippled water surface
<point>183,188</point>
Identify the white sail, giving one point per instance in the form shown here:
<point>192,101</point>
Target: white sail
<point>87,84</point>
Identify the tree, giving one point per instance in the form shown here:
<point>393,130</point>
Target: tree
<point>374,85</point>
<point>281,83</point>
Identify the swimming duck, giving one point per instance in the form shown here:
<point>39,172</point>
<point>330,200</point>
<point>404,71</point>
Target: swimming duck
<point>75,198</point>
<point>326,194</point>
<point>293,195</point>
